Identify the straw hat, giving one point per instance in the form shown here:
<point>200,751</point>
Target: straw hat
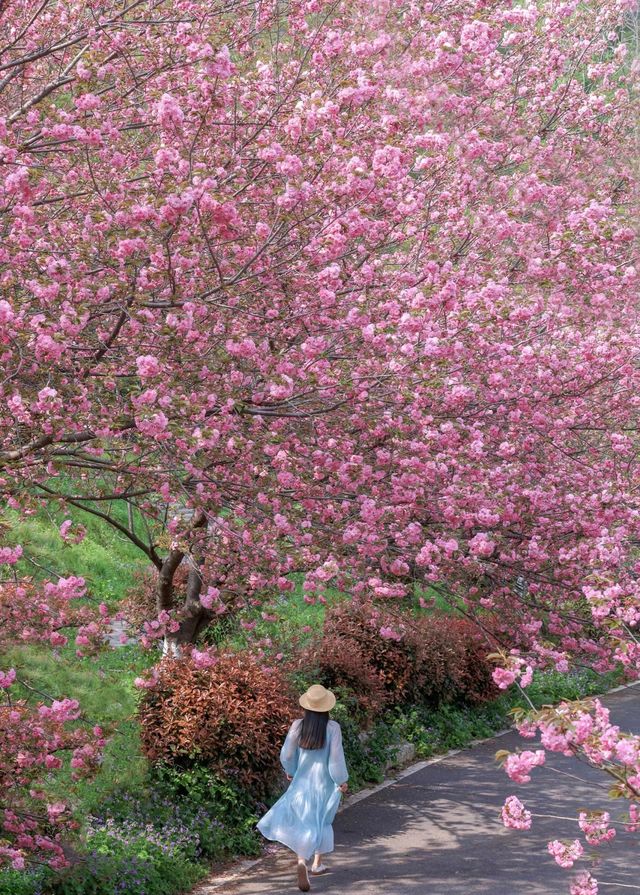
<point>317,699</point>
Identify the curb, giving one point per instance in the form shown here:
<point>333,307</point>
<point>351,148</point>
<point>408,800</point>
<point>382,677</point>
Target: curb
<point>216,882</point>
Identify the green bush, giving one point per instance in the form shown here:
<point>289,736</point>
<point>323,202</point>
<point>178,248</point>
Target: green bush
<point>14,882</point>
<point>554,686</point>
<point>133,867</point>
<point>367,756</point>
<point>436,730</point>
<point>433,731</point>
<point>206,796</point>
<point>154,841</point>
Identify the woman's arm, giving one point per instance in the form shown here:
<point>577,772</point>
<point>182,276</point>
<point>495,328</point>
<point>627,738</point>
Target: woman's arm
<point>337,764</point>
<point>289,751</point>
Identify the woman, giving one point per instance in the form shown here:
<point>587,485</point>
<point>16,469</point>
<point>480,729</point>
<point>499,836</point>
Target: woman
<point>313,761</point>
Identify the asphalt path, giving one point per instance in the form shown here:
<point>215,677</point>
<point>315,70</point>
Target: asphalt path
<point>437,831</point>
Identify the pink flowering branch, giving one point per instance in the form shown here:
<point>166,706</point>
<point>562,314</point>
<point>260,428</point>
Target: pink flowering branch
<point>583,730</point>
<point>37,742</point>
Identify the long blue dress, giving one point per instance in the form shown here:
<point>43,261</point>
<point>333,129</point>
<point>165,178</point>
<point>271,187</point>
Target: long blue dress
<point>301,819</point>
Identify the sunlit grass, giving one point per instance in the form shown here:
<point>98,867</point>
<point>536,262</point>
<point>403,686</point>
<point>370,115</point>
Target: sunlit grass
<point>103,685</point>
<point>295,617</point>
<point>106,559</point>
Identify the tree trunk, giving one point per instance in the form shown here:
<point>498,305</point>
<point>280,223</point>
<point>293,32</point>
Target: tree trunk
<point>195,615</point>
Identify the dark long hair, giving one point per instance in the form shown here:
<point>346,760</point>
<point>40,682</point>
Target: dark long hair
<point>313,734</point>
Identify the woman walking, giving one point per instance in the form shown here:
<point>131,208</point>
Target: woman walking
<point>313,760</point>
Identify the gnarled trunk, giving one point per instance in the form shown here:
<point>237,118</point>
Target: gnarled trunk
<point>194,615</point>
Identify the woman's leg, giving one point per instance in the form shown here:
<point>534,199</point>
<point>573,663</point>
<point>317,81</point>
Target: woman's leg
<point>303,875</point>
<point>318,866</point>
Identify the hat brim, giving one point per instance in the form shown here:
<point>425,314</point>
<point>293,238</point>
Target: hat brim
<point>325,706</point>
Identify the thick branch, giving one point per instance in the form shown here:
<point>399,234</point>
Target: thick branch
<point>169,567</point>
<point>46,440</point>
<point>147,549</point>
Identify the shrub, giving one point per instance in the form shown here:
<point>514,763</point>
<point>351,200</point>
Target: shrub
<point>230,717</point>
<point>136,866</point>
<point>341,665</point>
<point>357,627</point>
<point>451,662</point>
<point>476,682</point>
<point>14,882</point>
<point>438,659</point>
<point>367,756</point>
<point>219,812</point>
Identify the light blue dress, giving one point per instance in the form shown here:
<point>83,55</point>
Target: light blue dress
<point>301,819</point>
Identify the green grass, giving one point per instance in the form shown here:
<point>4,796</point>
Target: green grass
<point>103,685</point>
<point>106,559</point>
<point>293,614</point>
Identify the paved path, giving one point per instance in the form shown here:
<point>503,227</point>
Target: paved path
<point>438,832</point>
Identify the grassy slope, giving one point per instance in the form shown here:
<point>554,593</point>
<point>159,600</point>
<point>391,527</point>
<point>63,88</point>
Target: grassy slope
<point>106,559</point>
<point>104,684</point>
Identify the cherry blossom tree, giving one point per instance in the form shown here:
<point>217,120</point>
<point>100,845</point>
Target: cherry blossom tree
<point>215,285</point>
<point>341,288</point>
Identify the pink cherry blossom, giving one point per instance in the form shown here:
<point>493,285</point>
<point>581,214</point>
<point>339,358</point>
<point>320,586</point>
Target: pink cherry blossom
<point>388,633</point>
<point>7,678</point>
<point>518,765</point>
<point>148,366</point>
<point>514,815</point>
<point>565,853</point>
<point>10,555</point>
<point>584,884</point>
<point>595,826</point>
<point>503,677</point>
<point>169,111</point>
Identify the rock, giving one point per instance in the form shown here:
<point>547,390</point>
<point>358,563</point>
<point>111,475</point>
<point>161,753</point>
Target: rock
<point>405,754</point>
<point>118,628</point>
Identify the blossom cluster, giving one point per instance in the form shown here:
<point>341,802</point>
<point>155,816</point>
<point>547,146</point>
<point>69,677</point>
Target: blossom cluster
<point>583,729</point>
<point>49,613</point>
<point>514,815</point>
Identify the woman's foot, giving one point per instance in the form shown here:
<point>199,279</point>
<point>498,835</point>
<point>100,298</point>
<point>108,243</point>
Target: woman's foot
<point>303,877</point>
<point>319,869</point>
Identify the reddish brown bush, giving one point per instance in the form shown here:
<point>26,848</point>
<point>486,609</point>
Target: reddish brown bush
<point>451,661</point>
<point>439,658</point>
<point>342,665</point>
<point>231,717</point>
<point>358,626</point>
